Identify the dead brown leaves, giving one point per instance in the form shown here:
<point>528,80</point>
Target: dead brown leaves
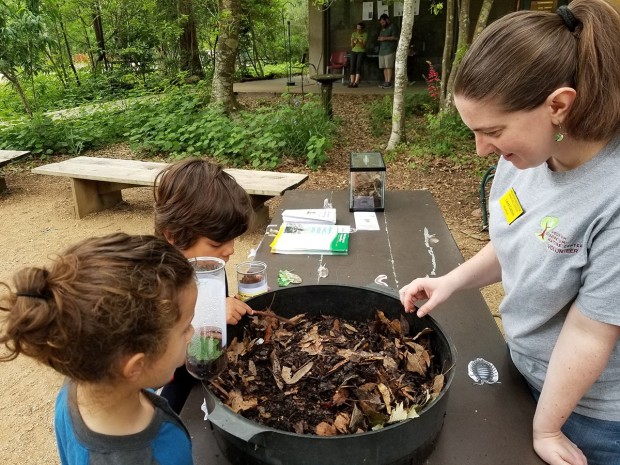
<point>328,376</point>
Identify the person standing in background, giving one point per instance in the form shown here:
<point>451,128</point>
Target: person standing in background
<point>388,41</point>
<point>358,53</point>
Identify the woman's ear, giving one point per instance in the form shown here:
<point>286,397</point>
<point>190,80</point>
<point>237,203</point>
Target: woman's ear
<point>133,366</point>
<point>559,103</point>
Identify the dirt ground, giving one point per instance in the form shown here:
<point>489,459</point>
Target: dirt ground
<point>36,221</point>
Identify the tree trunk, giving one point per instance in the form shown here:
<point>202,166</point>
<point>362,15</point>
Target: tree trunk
<point>400,81</point>
<point>99,36</point>
<point>91,59</point>
<point>64,35</point>
<point>58,69</point>
<point>257,64</point>
<point>188,41</point>
<point>483,18</point>
<point>447,52</point>
<point>225,55</point>
<point>13,79</point>
<point>461,48</point>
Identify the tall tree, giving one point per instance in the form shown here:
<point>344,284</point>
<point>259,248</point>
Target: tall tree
<point>483,18</point>
<point>463,42</point>
<point>446,60</point>
<point>462,45</point>
<point>188,41</point>
<point>69,53</point>
<point>22,44</point>
<point>99,35</point>
<point>400,82</point>
<point>225,55</point>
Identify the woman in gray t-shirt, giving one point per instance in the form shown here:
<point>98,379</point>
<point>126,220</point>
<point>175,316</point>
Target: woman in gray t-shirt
<point>541,90</point>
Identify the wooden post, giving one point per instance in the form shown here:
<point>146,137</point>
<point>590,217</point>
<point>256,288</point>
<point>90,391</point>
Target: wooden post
<point>93,196</point>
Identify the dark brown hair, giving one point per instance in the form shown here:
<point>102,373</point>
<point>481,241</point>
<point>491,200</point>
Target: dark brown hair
<point>101,299</point>
<point>521,58</point>
<point>195,198</point>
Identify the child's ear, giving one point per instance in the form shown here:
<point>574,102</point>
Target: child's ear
<point>168,237</point>
<point>134,366</point>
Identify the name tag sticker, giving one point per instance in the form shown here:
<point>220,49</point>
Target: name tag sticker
<point>510,205</point>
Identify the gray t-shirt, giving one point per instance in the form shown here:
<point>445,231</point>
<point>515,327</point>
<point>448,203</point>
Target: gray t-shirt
<point>565,248</point>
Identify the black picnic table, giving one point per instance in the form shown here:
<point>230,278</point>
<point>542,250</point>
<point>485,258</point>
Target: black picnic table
<point>484,424</point>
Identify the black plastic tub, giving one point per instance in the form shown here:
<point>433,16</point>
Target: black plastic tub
<point>409,442</point>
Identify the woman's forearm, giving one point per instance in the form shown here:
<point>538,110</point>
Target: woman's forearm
<point>579,357</point>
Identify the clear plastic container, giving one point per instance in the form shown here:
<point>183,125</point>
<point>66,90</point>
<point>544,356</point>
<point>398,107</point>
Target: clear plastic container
<point>206,352</point>
<point>251,279</point>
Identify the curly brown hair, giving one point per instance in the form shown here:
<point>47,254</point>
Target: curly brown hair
<point>101,299</point>
<point>521,58</point>
<point>195,198</point>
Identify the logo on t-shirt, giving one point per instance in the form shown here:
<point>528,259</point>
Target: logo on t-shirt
<point>555,240</point>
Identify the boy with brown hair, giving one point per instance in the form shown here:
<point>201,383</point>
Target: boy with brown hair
<point>200,209</point>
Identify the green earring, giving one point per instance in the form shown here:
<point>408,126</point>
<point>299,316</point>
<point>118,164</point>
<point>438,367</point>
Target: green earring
<point>559,136</point>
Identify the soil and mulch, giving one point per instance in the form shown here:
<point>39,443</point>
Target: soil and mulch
<point>327,376</point>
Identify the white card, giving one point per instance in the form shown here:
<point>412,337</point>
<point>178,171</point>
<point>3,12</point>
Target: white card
<point>366,221</point>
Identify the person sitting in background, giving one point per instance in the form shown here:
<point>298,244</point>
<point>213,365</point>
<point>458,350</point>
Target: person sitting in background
<point>201,210</point>
<point>358,53</point>
<point>114,315</point>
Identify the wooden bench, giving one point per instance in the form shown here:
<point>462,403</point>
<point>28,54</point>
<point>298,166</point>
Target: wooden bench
<point>97,182</point>
<point>6,157</point>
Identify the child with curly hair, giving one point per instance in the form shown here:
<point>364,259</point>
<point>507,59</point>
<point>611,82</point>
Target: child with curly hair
<point>113,314</point>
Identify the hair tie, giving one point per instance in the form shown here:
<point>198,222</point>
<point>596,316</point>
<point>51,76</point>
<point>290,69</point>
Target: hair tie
<point>569,18</point>
<point>34,295</point>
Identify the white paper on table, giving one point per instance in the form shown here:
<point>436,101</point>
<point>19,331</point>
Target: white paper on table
<point>382,8</point>
<point>367,11</point>
<point>366,221</point>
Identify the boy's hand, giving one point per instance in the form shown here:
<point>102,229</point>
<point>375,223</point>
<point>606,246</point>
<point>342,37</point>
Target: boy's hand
<point>235,309</point>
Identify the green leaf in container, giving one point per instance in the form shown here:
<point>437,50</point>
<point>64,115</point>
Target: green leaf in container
<point>205,347</point>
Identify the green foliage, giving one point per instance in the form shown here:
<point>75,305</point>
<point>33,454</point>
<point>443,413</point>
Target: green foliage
<point>445,135</point>
<point>22,39</point>
<point>416,104</point>
<point>141,46</point>
<point>317,147</point>
<point>53,95</point>
<point>180,125</point>
<point>276,70</point>
<point>431,134</point>
<point>45,136</point>
<point>435,7</point>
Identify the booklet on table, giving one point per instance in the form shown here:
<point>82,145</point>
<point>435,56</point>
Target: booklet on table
<point>311,239</point>
<point>310,215</point>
